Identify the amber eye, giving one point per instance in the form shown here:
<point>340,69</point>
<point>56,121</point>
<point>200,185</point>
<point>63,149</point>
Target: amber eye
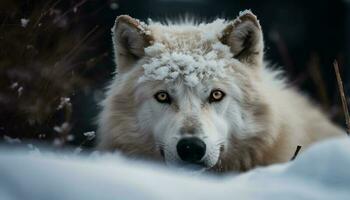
<point>216,95</point>
<point>162,97</point>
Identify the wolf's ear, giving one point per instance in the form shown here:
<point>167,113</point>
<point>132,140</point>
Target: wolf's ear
<point>244,37</point>
<point>130,37</point>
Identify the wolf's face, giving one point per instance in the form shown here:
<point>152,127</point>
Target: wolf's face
<point>188,91</point>
<point>190,125</point>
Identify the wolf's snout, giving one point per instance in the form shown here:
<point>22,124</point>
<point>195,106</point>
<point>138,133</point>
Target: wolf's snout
<point>191,149</point>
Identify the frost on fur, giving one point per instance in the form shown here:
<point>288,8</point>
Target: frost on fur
<point>193,60</point>
<point>168,65</point>
<point>205,54</point>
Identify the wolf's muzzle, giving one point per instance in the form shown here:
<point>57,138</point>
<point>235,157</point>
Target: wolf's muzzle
<point>191,150</point>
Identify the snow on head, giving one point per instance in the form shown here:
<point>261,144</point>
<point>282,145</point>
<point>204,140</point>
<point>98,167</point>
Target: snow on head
<point>190,52</point>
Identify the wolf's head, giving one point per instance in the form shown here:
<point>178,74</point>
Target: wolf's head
<point>188,94</point>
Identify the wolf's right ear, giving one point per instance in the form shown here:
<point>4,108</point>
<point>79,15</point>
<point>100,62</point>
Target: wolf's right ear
<point>130,37</point>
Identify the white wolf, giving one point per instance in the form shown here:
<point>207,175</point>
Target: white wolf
<point>201,94</point>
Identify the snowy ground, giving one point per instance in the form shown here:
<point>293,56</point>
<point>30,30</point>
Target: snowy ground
<point>322,172</point>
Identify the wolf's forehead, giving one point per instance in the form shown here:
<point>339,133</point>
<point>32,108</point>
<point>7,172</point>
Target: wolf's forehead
<point>190,54</point>
<point>187,34</point>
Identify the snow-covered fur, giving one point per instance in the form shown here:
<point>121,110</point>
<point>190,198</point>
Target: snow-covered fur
<point>258,120</point>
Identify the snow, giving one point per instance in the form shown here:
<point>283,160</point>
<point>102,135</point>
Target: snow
<point>14,85</point>
<point>321,172</point>
<point>11,140</point>
<point>62,128</point>
<point>114,5</point>
<point>77,150</point>
<point>168,65</point>
<point>33,149</point>
<point>70,138</point>
<point>187,51</point>
<point>57,142</point>
<point>24,22</point>
<point>212,31</point>
<point>20,91</point>
<point>63,102</point>
<point>245,12</point>
<point>90,135</point>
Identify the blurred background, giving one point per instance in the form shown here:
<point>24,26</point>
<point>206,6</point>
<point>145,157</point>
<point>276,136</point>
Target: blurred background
<point>56,57</point>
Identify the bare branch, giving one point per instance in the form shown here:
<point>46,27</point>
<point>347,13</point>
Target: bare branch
<point>296,152</point>
<point>342,96</point>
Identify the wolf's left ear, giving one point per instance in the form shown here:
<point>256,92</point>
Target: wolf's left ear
<point>130,37</point>
<point>244,37</point>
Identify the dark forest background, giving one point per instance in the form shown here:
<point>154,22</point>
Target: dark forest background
<point>56,56</point>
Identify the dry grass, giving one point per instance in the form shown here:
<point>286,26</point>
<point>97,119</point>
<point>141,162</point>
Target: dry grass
<point>297,150</point>
<point>342,96</point>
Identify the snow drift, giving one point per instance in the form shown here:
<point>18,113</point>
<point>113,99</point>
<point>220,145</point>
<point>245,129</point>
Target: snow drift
<point>322,172</point>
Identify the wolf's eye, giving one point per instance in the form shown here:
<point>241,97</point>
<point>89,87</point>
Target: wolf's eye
<point>216,95</point>
<point>162,97</point>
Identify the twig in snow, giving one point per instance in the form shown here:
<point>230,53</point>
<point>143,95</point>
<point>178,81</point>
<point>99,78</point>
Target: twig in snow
<point>342,96</point>
<point>296,152</point>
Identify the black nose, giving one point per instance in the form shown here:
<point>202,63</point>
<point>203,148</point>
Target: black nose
<point>191,149</point>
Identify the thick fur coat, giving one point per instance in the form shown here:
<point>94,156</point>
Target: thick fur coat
<point>209,81</point>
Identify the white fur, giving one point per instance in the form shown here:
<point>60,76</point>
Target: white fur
<point>260,120</point>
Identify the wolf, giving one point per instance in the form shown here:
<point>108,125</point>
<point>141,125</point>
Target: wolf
<point>201,95</point>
